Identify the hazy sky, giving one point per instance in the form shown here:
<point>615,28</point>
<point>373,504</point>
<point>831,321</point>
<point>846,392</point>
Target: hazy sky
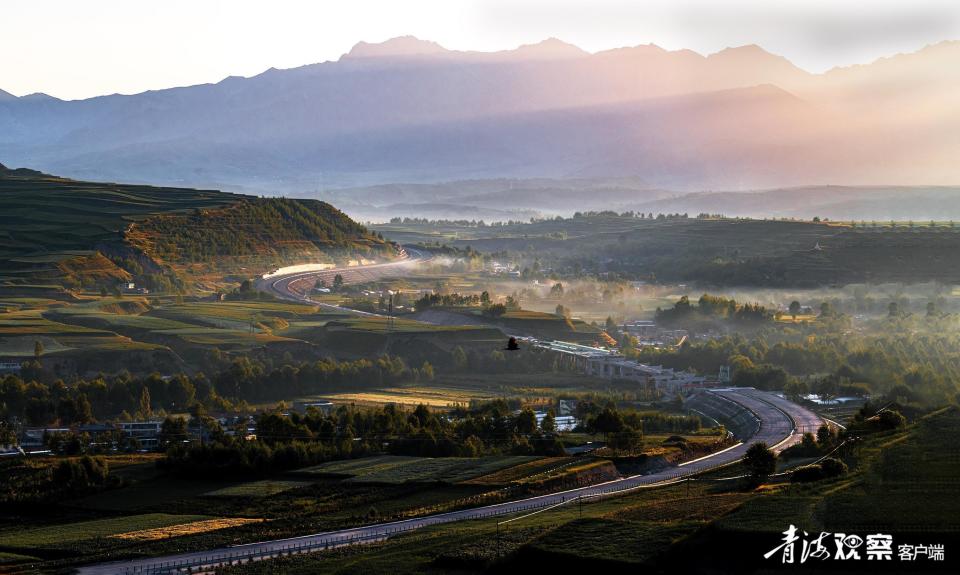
<point>76,49</point>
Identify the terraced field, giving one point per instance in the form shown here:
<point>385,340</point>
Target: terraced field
<point>69,332</point>
<point>14,558</point>
<point>395,470</point>
<point>520,322</point>
<point>71,233</point>
<point>360,467</point>
<point>263,488</point>
<point>45,220</point>
<point>20,330</point>
<point>233,315</point>
<point>399,325</point>
<point>525,471</point>
<point>221,337</point>
<point>182,330</point>
<point>445,470</point>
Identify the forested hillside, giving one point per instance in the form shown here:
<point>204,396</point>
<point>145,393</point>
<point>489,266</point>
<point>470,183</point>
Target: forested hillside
<point>254,230</point>
<point>712,249</point>
<point>59,232</point>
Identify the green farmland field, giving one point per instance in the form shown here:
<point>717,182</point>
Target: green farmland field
<point>220,337</point>
<point>446,470</point>
<point>14,558</point>
<point>360,467</point>
<point>69,533</point>
<point>392,469</point>
<point>538,467</point>
<point>264,488</point>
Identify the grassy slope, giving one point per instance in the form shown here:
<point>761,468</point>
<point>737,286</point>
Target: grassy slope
<point>253,232</point>
<point>184,330</point>
<point>46,220</point>
<point>905,487</point>
<point>54,227</point>
<point>61,535</point>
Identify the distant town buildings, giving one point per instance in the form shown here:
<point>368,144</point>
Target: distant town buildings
<point>7,366</point>
<point>325,407</point>
<point>560,422</point>
<point>146,432</point>
<point>641,329</point>
<point>130,287</point>
<point>125,435</point>
<point>32,439</point>
<point>566,407</point>
<point>648,333</point>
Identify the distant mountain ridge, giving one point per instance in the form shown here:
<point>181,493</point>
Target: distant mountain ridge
<point>409,110</point>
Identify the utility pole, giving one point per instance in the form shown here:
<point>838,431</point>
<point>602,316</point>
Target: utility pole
<point>390,310</point>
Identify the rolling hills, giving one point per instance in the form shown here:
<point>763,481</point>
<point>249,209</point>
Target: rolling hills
<point>712,251</point>
<point>60,232</point>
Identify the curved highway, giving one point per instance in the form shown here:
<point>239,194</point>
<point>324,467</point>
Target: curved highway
<point>781,424</point>
<point>297,286</point>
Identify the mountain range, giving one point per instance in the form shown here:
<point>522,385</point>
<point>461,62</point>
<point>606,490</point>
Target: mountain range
<point>408,110</point>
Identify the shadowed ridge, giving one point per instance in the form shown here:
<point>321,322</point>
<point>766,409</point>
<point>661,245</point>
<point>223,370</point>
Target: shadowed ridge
<point>6,172</point>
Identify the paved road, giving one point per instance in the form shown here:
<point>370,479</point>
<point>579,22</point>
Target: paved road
<point>298,286</point>
<point>780,425</point>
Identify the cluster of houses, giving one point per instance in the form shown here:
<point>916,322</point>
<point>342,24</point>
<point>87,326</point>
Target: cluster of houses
<point>649,334</point>
<point>560,422</point>
<point>143,435</point>
<point>131,288</point>
<point>499,269</point>
<point>9,366</point>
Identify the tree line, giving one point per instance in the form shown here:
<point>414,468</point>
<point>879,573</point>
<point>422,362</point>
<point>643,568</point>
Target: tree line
<point>710,307</point>
<point>912,368</point>
<point>289,441</point>
<point>38,401</point>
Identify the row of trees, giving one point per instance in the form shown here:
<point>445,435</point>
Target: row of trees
<point>451,300</point>
<point>31,483</point>
<point>244,380</point>
<point>827,445</point>
<point>287,441</point>
<point>710,307</point>
<point>920,368</point>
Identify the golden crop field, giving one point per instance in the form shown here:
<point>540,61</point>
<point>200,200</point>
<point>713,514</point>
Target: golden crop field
<point>431,397</point>
<point>193,528</point>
